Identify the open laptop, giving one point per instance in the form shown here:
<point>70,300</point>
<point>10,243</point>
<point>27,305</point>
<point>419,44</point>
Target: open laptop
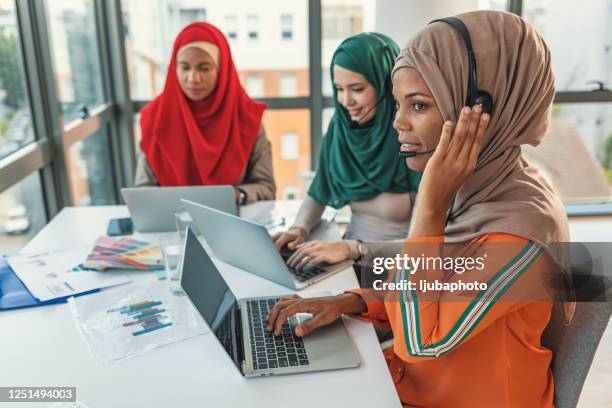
<point>152,208</point>
<point>248,245</point>
<point>239,325</point>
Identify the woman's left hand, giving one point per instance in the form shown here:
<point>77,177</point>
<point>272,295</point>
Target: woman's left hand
<point>455,157</point>
<point>313,252</point>
<point>450,165</point>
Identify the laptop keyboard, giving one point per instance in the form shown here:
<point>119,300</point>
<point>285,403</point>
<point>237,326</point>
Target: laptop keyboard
<point>306,273</point>
<point>269,351</point>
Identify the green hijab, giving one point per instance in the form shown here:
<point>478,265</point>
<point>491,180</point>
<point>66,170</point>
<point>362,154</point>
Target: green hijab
<point>358,164</point>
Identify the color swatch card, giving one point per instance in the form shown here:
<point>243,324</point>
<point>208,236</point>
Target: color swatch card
<point>124,253</point>
<point>129,320</point>
<point>51,275</point>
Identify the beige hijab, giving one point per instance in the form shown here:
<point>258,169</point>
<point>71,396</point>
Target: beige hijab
<point>505,193</point>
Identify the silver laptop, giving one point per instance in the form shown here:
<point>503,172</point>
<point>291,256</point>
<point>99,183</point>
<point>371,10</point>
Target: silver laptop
<point>248,245</point>
<point>152,208</point>
<point>239,325</point>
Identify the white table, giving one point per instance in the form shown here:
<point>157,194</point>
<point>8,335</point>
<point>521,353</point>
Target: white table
<point>41,347</point>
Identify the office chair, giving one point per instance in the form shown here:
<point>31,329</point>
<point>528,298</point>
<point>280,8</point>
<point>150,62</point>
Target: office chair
<point>574,347</point>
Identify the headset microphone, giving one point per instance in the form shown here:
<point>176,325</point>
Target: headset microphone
<point>354,124</point>
<point>406,155</point>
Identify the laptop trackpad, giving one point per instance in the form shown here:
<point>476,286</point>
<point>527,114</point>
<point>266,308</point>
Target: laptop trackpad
<point>329,346</point>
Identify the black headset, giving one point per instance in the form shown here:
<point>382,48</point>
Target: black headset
<point>390,59</point>
<point>475,96</point>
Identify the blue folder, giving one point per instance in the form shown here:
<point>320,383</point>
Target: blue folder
<point>15,295</point>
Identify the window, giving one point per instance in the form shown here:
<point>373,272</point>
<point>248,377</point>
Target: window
<point>22,214</point>
<point>286,26</point>
<point>15,122</point>
<point>289,146</point>
<point>328,113</point>
<point>499,5</point>
<point>189,15</point>
<point>296,123</point>
<point>580,60</point>
<point>76,56</point>
<point>231,26</point>
<point>148,51</point>
<point>252,26</point>
<point>341,21</point>
<point>255,86</point>
<point>576,155</point>
<point>89,171</point>
<point>288,85</point>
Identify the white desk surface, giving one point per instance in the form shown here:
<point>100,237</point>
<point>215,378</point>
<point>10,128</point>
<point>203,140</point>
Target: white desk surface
<point>42,347</point>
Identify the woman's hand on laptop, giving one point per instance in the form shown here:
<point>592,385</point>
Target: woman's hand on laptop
<point>292,238</point>
<point>324,310</point>
<point>313,252</point>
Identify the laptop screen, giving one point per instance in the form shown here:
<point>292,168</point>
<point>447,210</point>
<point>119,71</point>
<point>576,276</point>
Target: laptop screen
<point>210,294</point>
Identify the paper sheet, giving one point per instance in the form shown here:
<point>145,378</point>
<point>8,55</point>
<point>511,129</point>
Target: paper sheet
<point>129,320</point>
<point>50,275</point>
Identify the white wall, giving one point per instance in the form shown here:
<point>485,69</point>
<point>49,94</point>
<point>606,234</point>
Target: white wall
<point>401,19</point>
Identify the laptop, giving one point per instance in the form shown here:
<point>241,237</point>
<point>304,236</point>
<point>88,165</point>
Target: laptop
<point>239,325</point>
<point>152,208</point>
<point>248,245</point>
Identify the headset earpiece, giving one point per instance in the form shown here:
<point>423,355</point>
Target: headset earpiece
<point>484,98</point>
<point>390,59</point>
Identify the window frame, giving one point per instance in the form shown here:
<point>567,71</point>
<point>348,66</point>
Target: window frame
<point>52,138</point>
<point>566,97</point>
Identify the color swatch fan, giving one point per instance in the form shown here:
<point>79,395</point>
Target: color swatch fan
<point>124,253</point>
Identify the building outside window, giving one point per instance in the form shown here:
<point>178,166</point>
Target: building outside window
<point>255,86</point>
<point>289,146</point>
<point>189,15</point>
<point>231,26</point>
<point>286,26</point>
<point>288,85</point>
<point>576,155</point>
<point>252,26</point>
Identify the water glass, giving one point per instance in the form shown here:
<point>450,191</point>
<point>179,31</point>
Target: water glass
<point>172,249</point>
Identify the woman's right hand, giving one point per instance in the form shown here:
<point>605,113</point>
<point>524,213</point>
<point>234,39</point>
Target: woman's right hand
<point>292,238</point>
<point>325,310</point>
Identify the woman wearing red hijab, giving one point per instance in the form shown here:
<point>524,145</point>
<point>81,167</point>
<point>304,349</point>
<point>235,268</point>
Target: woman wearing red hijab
<point>204,129</point>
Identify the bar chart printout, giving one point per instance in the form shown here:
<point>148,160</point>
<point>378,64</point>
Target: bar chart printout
<point>144,317</point>
<point>130,320</point>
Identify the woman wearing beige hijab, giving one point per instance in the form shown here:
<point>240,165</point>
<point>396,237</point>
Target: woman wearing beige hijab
<point>476,188</point>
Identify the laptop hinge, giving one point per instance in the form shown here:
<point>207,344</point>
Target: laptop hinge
<point>238,337</point>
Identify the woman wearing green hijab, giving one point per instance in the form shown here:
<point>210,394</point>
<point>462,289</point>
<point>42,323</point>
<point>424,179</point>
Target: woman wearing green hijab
<point>358,163</point>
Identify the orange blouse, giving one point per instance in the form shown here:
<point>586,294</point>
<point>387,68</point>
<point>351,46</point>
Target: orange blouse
<point>485,352</point>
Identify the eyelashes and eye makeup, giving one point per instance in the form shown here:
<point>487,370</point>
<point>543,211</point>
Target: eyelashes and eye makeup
<point>356,90</point>
<point>415,105</point>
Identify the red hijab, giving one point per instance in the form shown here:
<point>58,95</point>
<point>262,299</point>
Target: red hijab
<point>200,142</point>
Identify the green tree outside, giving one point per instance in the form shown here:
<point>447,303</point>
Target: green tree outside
<point>11,77</point>
<point>607,157</point>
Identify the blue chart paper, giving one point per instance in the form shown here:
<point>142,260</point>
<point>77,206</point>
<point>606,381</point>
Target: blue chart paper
<point>129,320</point>
<point>14,294</point>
